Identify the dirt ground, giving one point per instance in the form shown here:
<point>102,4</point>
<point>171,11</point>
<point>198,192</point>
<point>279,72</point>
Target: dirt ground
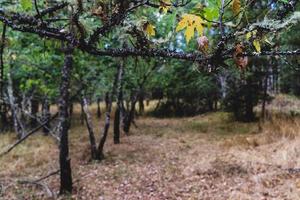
<point>203,157</point>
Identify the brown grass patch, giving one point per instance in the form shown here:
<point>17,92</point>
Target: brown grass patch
<point>203,157</point>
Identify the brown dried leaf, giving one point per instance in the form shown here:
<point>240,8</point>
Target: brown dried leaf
<point>203,44</point>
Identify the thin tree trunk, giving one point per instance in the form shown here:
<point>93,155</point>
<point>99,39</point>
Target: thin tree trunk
<point>18,126</point>
<point>89,124</point>
<point>2,101</point>
<point>64,159</point>
<point>119,110</point>
<point>130,116</point>
<point>263,107</point>
<point>108,101</point>
<point>34,111</point>
<point>81,114</point>
<point>98,108</point>
<point>158,104</point>
<point>71,108</point>
<point>46,115</point>
<point>141,103</point>
<point>117,126</point>
<point>249,113</point>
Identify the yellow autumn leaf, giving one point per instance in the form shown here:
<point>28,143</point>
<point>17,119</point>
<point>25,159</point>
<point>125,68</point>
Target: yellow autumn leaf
<point>199,30</point>
<point>150,29</point>
<point>189,33</point>
<point>251,34</point>
<point>164,6</point>
<point>182,24</point>
<point>248,35</point>
<point>256,44</point>
<point>236,6</point>
<point>191,23</point>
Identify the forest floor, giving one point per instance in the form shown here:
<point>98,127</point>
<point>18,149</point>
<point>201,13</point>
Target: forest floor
<point>203,157</point>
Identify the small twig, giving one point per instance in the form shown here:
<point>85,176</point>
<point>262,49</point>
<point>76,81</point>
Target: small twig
<point>37,10</point>
<point>44,177</point>
<point>53,9</point>
<point>221,12</point>
<point>48,175</point>
<point>293,170</point>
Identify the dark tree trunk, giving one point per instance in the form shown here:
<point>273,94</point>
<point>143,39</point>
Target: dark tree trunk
<point>64,159</point>
<point>71,111</point>
<point>71,108</point>
<point>119,109</point>
<point>117,126</point>
<point>141,103</point>
<point>46,116</point>
<point>158,104</point>
<point>216,105</point>
<point>210,104</point>
<point>98,108</point>
<point>263,107</point>
<point>249,113</point>
<point>89,124</point>
<point>81,114</point>
<point>130,116</point>
<point>108,101</point>
<point>3,109</point>
<point>34,111</point>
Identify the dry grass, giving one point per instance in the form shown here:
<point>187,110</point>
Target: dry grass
<point>203,157</point>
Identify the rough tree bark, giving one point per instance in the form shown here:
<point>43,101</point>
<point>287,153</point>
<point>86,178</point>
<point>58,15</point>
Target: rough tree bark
<point>46,115</point>
<point>130,116</point>
<point>2,101</point>
<point>119,110</point>
<point>64,159</point>
<point>18,126</point>
<point>108,101</point>
<point>89,124</point>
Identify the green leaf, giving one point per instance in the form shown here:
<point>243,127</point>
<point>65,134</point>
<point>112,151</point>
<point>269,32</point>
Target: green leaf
<point>211,13</point>
<point>26,4</point>
<point>284,1</point>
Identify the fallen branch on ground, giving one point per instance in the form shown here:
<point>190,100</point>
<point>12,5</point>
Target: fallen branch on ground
<point>43,185</point>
